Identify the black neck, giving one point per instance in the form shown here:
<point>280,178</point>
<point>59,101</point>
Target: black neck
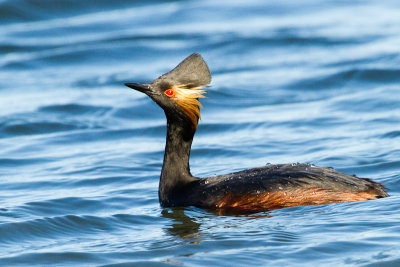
<point>175,172</point>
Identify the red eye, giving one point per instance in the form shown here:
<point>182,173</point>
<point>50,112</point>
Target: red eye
<point>169,92</point>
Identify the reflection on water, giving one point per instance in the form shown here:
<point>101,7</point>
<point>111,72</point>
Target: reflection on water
<point>183,225</point>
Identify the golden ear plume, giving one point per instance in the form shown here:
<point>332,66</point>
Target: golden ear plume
<point>187,99</point>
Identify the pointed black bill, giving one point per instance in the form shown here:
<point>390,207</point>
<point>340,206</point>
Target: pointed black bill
<point>144,88</point>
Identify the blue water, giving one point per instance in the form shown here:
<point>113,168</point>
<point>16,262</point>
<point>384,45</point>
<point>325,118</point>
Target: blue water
<point>293,81</point>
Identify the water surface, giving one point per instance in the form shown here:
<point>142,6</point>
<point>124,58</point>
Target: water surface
<point>294,81</point>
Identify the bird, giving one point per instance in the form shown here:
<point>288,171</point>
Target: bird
<point>260,189</point>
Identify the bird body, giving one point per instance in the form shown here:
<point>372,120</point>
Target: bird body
<point>273,187</point>
<point>253,190</point>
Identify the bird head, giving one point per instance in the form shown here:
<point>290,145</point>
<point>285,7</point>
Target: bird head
<point>178,91</point>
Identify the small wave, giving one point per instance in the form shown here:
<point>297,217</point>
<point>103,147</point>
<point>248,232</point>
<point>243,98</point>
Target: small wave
<point>17,162</point>
<point>62,206</point>
<point>392,134</point>
<point>50,258</point>
<point>53,119</point>
<point>67,225</point>
<point>340,78</point>
<point>47,227</point>
<point>30,128</point>
<point>11,11</point>
<point>75,109</point>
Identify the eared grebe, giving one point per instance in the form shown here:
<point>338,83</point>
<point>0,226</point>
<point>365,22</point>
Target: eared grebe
<point>259,189</point>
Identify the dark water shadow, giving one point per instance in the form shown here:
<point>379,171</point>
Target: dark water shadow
<point>182,225</point>
<point>186,227</point>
